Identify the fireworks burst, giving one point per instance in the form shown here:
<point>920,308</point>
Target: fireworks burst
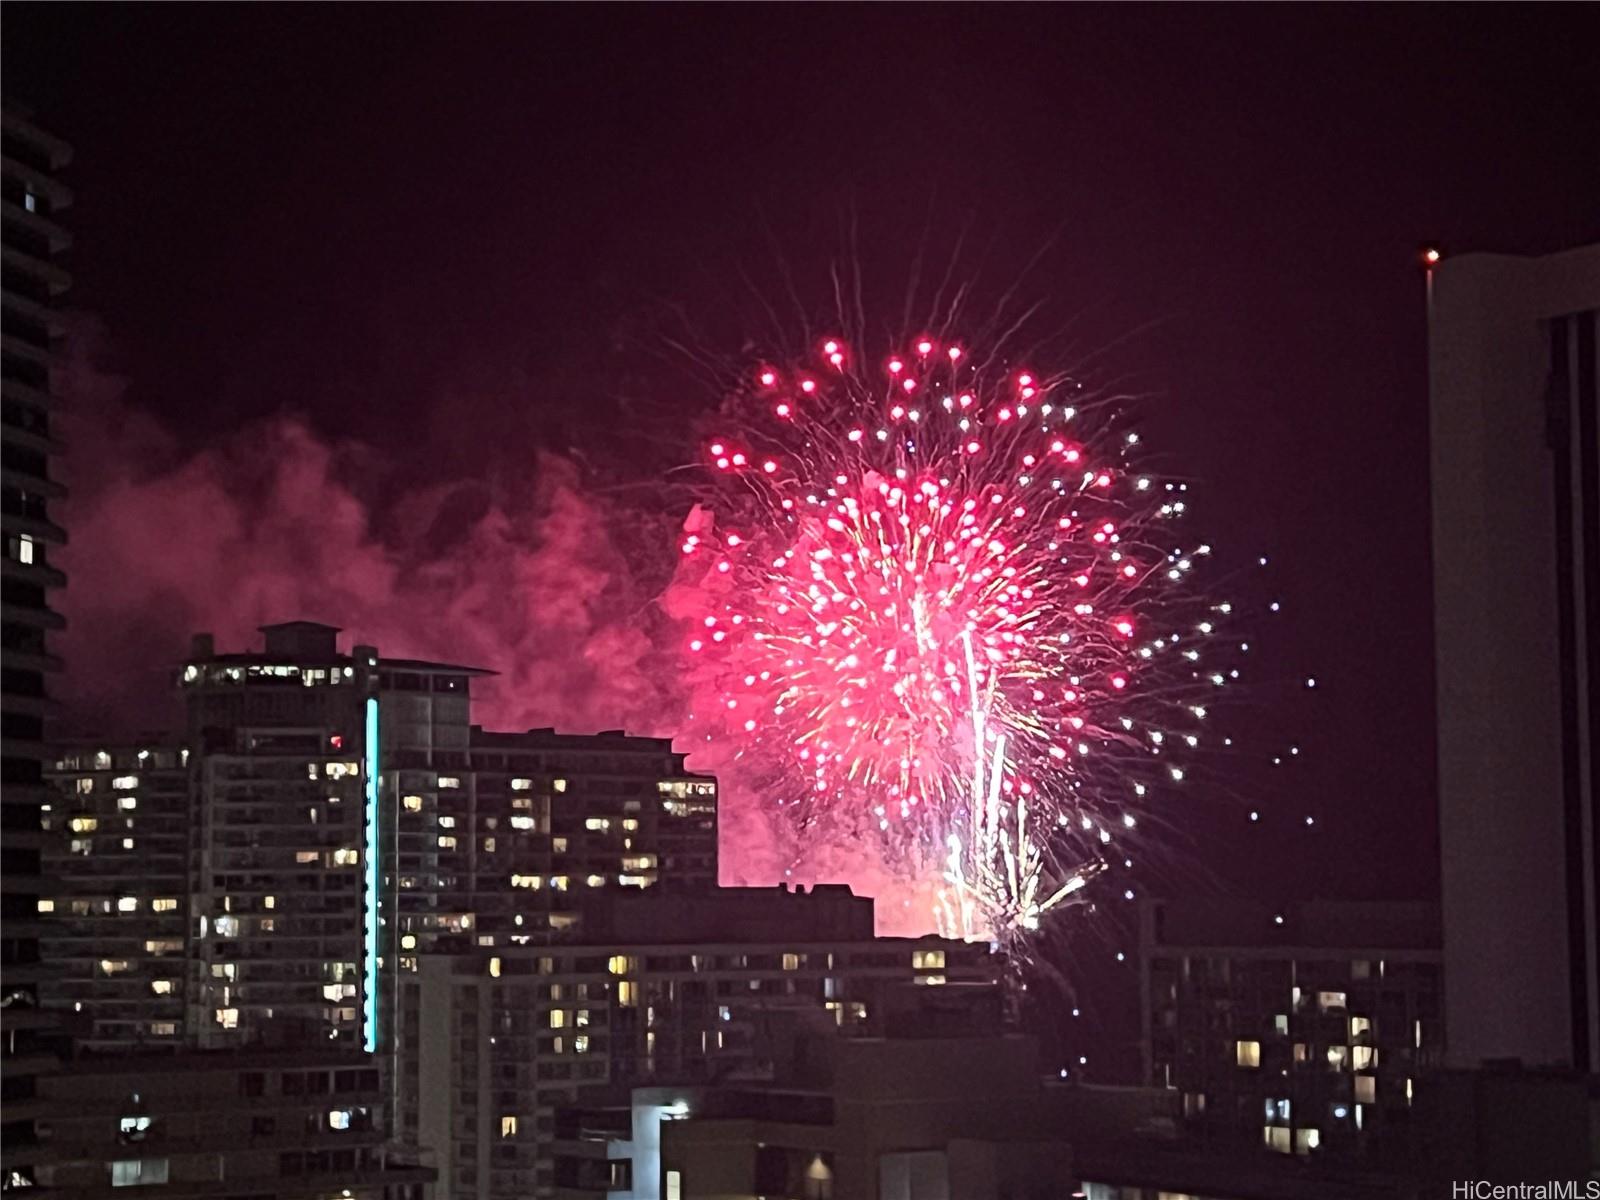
<point>940,612</point>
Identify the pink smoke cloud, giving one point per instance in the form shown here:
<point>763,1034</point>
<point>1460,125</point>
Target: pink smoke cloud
<point>554,586</point>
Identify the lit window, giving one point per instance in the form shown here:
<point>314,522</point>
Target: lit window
<point>161,987</point>
<point>163,1028</point>
<point>85,786</point>
<point>305,856</point>
<point>630,823</point>
<point>558,845</point>
<point>1359,1026</point>
<point>31,203</point>
<point>638,862</point>
<point>1247,1054</point>
<point>508,1127</point>
<point>1306,1140</point>
<point>114,966</point>
<point>559,785</point>
<point>1363,1058</point>
<point>1338,1057</point>
<point>123,783</point>
<point>596,881</point>
<point>83,824</point>
<point>924,960</point>
<point>621,964</point>
<point>1328,1001</point>
<point>163,904</point>
<point>127,904</point>
<point>447,822</point>
<point>580,1044</point>
<point>127,803</point>
<point>411,803</point>
<point>558,1018</point>
<point>488,845</point>
<point>494,968</point>
<point>674,1185</point>
<point>127,843</point>
<point>628,995</point>
<point>227,926</point>
<point>102,760</point>
<point>162,946</point>
<point>408,941</point>
<point>346,856</point>
<point>447,842</point>
<point>449,782</point>
<point>138,1172</point>
<point>526,881</point>
<point>791,962</point>
<point>520,822</point>
<point>47,906</point>
<point>521,785</point>
<point>599,823</point>
<point>228,1018</point>
<point>1280,1023</point>
<point>338,1118</point>
<point>560,882</point>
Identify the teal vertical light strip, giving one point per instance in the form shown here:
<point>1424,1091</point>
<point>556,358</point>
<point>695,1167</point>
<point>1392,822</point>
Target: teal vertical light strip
<point>370,909</point>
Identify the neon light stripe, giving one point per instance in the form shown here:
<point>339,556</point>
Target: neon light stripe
<point>370,1027</point>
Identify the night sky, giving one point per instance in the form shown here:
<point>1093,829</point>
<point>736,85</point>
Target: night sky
<point>444,233</point>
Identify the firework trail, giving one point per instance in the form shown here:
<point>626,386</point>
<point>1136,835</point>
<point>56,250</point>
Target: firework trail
<point>939,613</point>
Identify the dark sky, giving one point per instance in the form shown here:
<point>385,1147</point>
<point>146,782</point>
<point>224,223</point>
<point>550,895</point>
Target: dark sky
<point>424,227</point>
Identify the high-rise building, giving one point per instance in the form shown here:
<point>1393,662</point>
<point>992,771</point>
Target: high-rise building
<point>1301,1029</point>
<point>1515,401</point>
<point>31,279</point>
<point>115,914</point>
<point>653,989</point>
<point>533,821</point>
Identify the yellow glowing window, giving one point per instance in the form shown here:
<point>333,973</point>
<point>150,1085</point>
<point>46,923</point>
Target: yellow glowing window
<point>1363,1058</point>
<point>519,822</point>
<point>558,1018</point>
<point>83,824</point>
<point>628,994</point>
<point>1247,1054</point>
<point>346,857</point>
<point>526,881</point>
<point>127,904</point>
<point>621,964</point>
<point>127,803</point>
<point>449,782</point>
<point>521,785</point>
<point>163,904</point>
<point>927,960</point>
<point>559,785</point>
<point>791,962</point>
<point>508,1127</point>
<point>447,842</point>
<point>161,987</point>
<point>447,822</point>
<point>494,968</point>
<point>411,803</point>
<point>47,906</point>
<point>597,823</point>
<point>596,881</point>
<point>560,882</point>
<point>630,823</point>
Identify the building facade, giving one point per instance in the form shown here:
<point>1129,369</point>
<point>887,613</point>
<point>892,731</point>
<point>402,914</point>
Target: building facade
<point>31,282</point>
<point>291,1125</point>
<point>1515,404</point>
<point>657,990</point>
<point>1302,1029</point>
<point>115,917</point>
